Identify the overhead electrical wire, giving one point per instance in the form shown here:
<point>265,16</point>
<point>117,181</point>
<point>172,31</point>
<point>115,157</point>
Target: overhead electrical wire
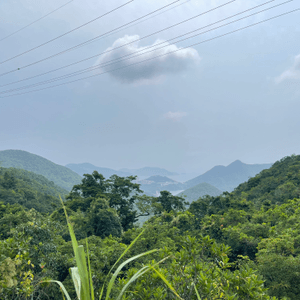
<point>180,49</point>
<point>68,32</point>
<point>129,26</point>
<point>165,54</point>
<point>81,44</point>
<point>135,54</point>
<point>159,31</point>
<point>90,56</point>
<point>51,12</point>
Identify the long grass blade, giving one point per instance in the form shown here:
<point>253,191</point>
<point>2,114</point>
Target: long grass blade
<point>197,293</point>
<point>125,251</point>
<point>138,274</point>
<point>83,273</point>
<point>90,271</point>
<point>71,231</point>
<point>166,282</point>
<point>76,280</point>
<point>61,286</point>
<point>80,261</point>
<point>116,273</point>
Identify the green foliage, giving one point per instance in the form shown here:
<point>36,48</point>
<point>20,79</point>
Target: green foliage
<point>202,264</point>
<point>166,202</point>
<point>121,194</point>
<point>28,189</point>
<point>276,185</point>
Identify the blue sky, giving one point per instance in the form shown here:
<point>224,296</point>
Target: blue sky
<point>235,97</point>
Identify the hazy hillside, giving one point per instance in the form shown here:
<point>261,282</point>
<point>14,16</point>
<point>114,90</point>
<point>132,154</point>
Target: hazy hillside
<point>60,175</point>
<point>228,178</point>
<point>149,171</point>
<point>155,184</point>
<point>200,190</point>
<point>87,168</point>
<point>159,179</point>
<point>29,189</point>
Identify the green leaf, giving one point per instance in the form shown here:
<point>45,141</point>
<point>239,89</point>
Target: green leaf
<point>90,271</point>
<point>76,280</point>
<point>61,285</point>
<point>138,274</point>
<point>197,293</point>
<point>116,273</point>
<point>166,282</point>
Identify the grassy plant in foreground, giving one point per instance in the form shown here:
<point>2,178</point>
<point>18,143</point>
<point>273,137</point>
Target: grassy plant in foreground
<point>82,276</point>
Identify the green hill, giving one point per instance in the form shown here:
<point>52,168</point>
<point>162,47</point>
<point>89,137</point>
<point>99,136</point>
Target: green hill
<point>229,177</point>
<point>29,189</point>
<point>275,185</point>
<point>200,190</point>
<point>19,159</point>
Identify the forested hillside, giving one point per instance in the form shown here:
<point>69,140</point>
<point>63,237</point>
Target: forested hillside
<point>60,175</point>
<point>235,246</point>
<point>29,189</point>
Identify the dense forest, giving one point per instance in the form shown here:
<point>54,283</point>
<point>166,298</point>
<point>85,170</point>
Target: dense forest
<point>239,245</point>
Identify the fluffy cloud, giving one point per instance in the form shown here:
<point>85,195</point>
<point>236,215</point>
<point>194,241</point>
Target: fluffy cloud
<point>293,73</point>
<point>174,116</point>
<point>153,69</point>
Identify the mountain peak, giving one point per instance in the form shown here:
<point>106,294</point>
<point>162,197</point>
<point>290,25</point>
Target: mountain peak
<point>236,162</point>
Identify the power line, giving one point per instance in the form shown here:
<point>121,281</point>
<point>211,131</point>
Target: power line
<point>148,18</point>
<point>90,56</point>
<point>143,50</point>
<point>79,45</point>
<point>51,12</point>
<point>43,44</point>
<point>196,44</point>
<point>189,19</point>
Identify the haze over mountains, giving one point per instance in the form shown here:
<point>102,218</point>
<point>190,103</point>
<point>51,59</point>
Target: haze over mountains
<point>152,179</point>
<point>228,178</point>
<point>142,173</point>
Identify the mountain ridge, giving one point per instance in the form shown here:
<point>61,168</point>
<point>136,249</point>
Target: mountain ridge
<point>83,168</point>
<point>20,159</point>
<point>227,178</point>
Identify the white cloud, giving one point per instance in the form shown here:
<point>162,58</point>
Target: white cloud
<point>174,116</point>
<point>153,69</point>
<point>293,73</point>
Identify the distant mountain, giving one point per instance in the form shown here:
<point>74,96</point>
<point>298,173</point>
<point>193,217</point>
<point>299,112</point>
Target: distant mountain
<point>60,175</point>
<point>149,171</point>
<point>153,185</point>
<point>228,178</point>
<point>87,168</point>
<point>200,190</point>
<point>159,179</point>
